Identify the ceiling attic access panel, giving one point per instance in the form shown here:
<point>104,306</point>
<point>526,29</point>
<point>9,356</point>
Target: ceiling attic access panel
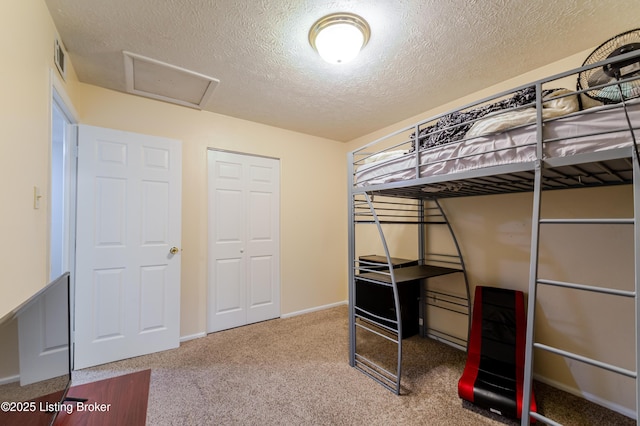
<point>165,82</point>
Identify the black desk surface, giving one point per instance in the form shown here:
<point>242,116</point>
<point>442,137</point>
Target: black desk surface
<point>382,260</point>
<point>409,273</point>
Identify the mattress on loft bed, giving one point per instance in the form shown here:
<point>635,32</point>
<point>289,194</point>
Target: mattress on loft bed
<point>603,128</point>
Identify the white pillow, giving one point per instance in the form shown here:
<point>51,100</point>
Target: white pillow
<point>386,155</point>
<point>552,106</point>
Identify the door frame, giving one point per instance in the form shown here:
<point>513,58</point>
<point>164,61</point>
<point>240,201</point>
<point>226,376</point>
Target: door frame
<point>59,98</point>
<point>209,230</point>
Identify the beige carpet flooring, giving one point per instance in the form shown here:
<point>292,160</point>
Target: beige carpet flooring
<point>295,371</point>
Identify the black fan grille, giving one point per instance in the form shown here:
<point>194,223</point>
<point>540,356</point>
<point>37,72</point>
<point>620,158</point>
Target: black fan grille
<point>617,81</point>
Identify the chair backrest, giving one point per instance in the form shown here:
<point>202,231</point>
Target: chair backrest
<point>494,372</point>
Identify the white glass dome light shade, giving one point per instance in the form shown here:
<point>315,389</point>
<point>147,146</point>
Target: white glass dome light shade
<point>338,38</point>
<point>339,43</point>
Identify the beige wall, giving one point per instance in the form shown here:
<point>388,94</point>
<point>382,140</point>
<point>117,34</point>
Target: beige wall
<point>313,194</point>
<point>494,233</point>
<point>27,37</point>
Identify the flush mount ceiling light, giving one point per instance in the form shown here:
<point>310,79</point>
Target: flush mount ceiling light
<point>339,37</point>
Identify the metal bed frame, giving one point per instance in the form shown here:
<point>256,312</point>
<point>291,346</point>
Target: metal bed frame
<point>423,214</point>
<point>618,166</point>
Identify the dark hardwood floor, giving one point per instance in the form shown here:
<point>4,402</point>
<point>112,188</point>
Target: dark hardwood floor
<point>120,400</point>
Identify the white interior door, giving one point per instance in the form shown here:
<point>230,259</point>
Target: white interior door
<point>244,239</point>
<point>127,278</point>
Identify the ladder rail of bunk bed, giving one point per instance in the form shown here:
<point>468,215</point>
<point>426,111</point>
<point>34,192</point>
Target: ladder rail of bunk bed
<point>535,280</point>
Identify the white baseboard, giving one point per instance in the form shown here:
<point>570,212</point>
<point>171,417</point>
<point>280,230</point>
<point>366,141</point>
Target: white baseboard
<point>9,379</point>
<point>192,337</point>
<point>625,411</point>
<point>289,315</point>
<point>315,309</point>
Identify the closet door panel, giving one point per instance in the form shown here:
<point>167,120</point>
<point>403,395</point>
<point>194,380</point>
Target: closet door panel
<point>244,220</point>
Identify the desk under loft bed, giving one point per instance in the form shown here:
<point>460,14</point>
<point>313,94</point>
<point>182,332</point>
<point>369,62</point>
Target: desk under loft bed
<point>537,137</point>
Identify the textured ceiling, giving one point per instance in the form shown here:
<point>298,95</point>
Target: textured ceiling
<point>422,53</point>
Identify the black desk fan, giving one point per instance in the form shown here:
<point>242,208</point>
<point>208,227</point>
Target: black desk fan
<point>597,82</point>
<point>615,82</point>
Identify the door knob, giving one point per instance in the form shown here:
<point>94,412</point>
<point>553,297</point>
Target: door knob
<point>174,250</point>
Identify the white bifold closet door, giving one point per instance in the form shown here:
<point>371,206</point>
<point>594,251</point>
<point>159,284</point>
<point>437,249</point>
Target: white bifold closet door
<point>244,239</point>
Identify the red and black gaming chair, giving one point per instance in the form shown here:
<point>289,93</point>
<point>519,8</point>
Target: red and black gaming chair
<point>494,372</point>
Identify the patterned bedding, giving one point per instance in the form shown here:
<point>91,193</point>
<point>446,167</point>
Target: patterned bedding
<point>513,111</point>
<point>508,138</point>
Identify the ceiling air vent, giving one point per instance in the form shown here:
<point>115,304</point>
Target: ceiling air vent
<point>60,58</point>
<point>159,80</point>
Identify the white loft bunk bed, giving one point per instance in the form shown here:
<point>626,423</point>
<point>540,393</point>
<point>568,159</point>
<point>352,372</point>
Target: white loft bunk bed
<point>530,139</point>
